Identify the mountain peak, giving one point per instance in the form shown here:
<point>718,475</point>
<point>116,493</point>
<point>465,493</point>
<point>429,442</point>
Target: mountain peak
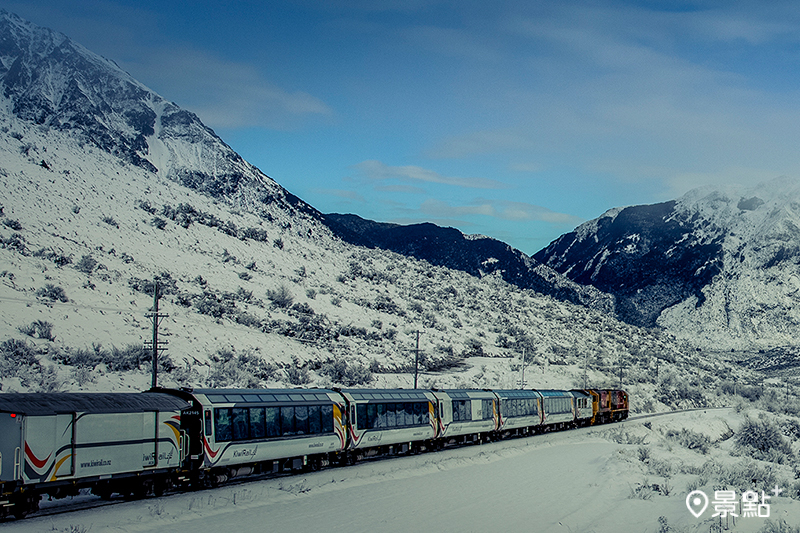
<point>49,80</point>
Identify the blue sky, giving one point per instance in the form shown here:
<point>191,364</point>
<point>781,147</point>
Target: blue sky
<point>514,119</point>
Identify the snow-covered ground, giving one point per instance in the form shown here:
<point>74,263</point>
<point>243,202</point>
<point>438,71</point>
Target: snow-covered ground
<point>621,477</point>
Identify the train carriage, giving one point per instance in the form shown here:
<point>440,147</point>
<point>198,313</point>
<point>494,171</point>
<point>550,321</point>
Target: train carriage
<point>466,415</point>
<point>558,408</point>
<point>56,443</point>
<point>242,429</point>
<point>520,411</point>
<point>390,420</point>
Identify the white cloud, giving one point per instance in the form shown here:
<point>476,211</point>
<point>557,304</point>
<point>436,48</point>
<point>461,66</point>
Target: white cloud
<point>502,209</point>
<point>376,170</point>
<point>227,94</point>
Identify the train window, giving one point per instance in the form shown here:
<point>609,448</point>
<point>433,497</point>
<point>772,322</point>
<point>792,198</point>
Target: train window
<point>314,421</point>
<point>391,418</point>
<point>361,416</point>
<point>408,412</point>
<point>241,424</point>
<point>234,397</point>
<point>267,397</point>
<point>418,413</point>
<point>380,422</point>
<point>372,415</point>
<point>326,412</point>
<point>301,419</point>
<point>287,421</point>
<point>272,421</point>
<point>251,398</point>
<point>257,429</point>
<point>222,424</point>
<point>216,398</point>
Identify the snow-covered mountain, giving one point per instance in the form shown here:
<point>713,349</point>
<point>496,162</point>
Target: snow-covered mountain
<point>48,79</point>
<point>475,254</point>
<point>720,267</point>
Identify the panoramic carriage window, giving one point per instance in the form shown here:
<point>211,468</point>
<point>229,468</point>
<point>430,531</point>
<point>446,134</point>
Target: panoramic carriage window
<point>241,424</point>
<point>314,420</point>
<point>301,419</point>
<point>257,428</point>
<point>222,424</point>
<point>272,421</point>
<point>387,415</point>
<point>287,421</point>
<point>326,412</point>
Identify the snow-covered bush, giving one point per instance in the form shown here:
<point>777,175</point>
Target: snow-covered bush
<point>86,264</point>
<point>762,439</point>
<point>690,439</point>
<point>281,297</point>
<point>297,375</point>
<point>349,375</point>
<point>52,292</point>
<point>243,370</point>
<point>38,328</point>
<point>18,359</point>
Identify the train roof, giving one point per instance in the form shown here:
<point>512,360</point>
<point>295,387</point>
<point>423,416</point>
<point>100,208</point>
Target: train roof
<point>388,394</point>
<point>264,395</point>
<point>37,404</point>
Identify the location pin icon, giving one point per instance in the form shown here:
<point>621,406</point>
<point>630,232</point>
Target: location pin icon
<point>697,502</point>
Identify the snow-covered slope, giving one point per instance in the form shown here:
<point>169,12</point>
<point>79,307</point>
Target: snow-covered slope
<point>718,267</point>
<point>52,81</point>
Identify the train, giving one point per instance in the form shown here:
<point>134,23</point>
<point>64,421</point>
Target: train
<point>136,444</point>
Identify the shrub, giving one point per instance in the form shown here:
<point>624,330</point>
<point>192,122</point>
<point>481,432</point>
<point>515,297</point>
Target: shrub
<point>110,221</point>
<point>52,292</point>
<point>13,224</point>
<point>40,329</point>
<point>86,264</point>
<point>255,234</point>
<point>298,375</point>
<point>158,223</point>
<point>281,296</point>
<point>690,439</point>
<point>278,243</point>
<point>245,370</point>
<point>348,375</point>
<point>15,242</point>
<point>17,359</point>
<point>762,439</point>
<point>211,305</point>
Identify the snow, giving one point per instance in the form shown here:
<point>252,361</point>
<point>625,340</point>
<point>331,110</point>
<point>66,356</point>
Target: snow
<point>577,480</point>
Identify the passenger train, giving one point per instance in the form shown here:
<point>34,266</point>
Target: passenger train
<point>134,444</point>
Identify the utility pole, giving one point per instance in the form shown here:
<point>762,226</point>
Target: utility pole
<point>416,362</point>
<point>522,380</point>
<point>156,316</point>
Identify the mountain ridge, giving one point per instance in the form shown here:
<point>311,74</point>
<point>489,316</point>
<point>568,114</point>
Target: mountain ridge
<point>450,248</point>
